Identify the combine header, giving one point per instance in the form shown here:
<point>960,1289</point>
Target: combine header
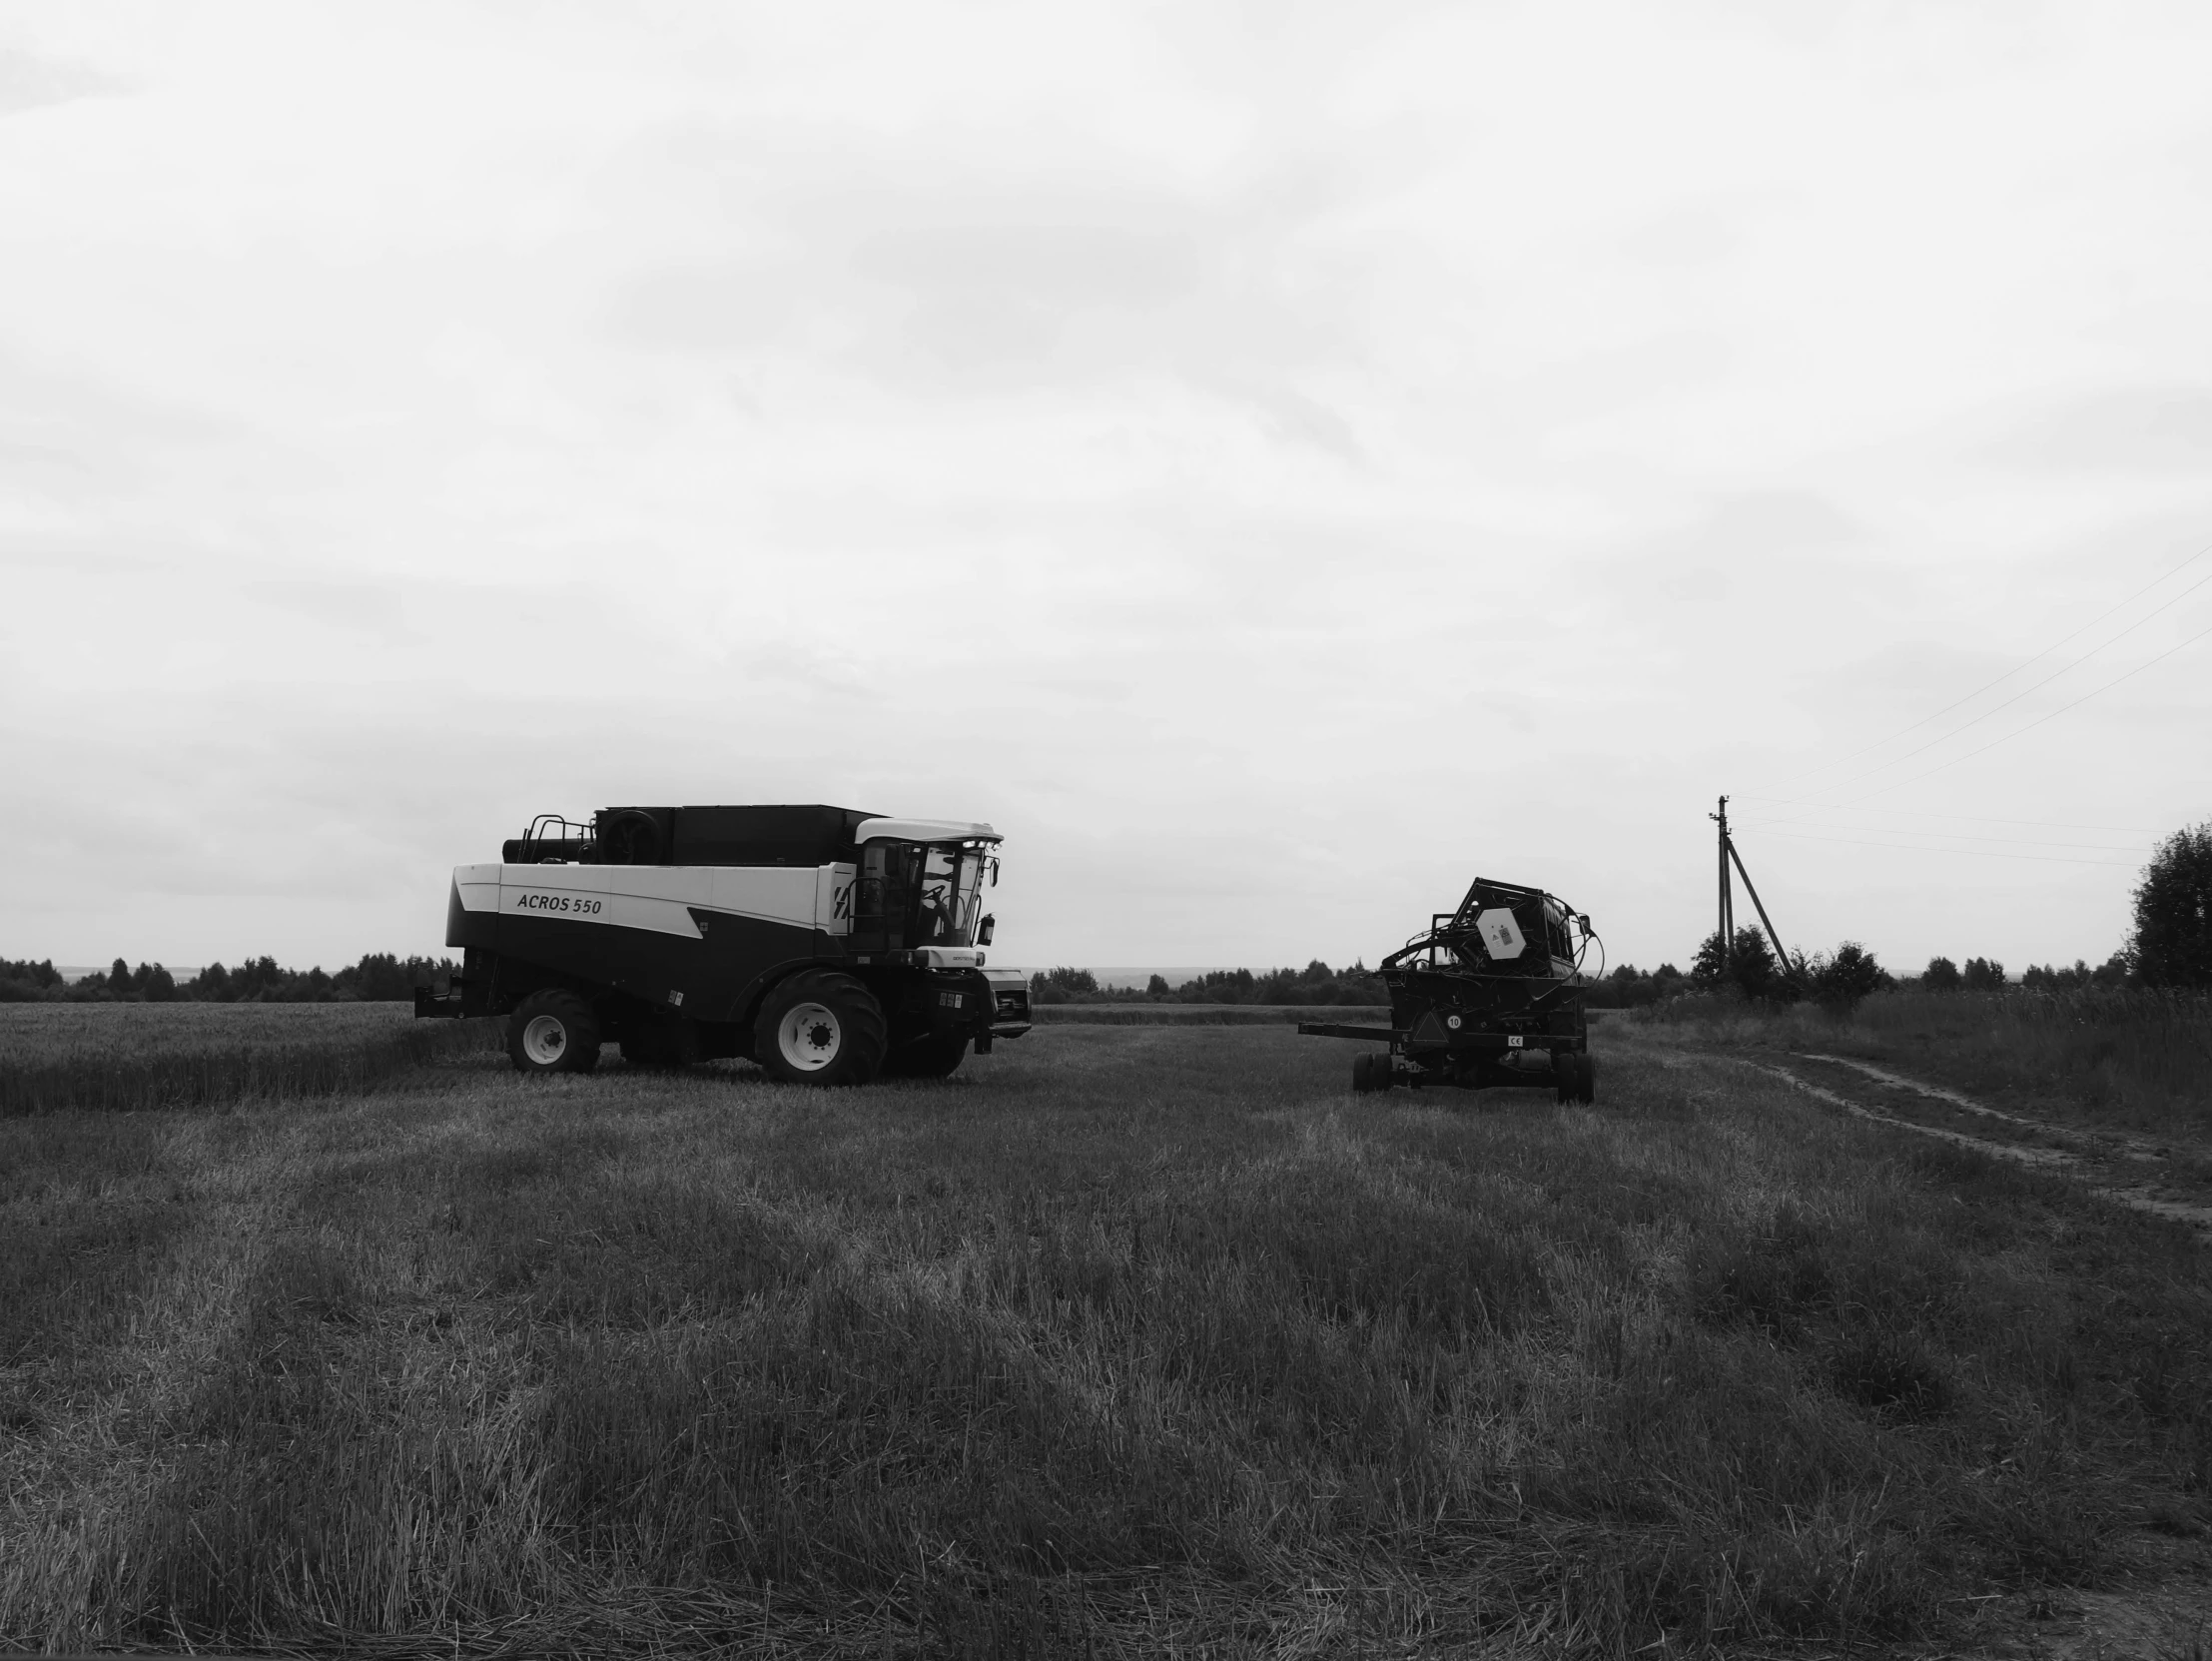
<point>827,943</point>
<point>1491,994</point>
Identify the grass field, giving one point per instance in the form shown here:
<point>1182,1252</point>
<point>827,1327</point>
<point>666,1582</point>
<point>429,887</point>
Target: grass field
<point>2136,1059</point>
<point>1125,1341</point>
<point>130,1056</point>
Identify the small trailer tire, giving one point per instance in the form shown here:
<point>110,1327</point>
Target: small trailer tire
<point>1566,1075</point>
<point>1371,1072</point>
<point>553,1032</point>
<point>820,1028</point>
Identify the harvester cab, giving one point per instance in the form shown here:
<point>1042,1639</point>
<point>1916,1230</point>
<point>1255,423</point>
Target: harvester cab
<point>1490,993</point>
<point>827,943</point>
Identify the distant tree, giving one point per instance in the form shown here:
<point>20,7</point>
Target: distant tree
<point>1941,975</point>
<point>119,979</point>
<point>1158,986</point>
<point>1074,980</point>
<point>1982,975</point>
<point>2172,943</point>
<point>2113,971</point>
<point>1847,976</point>
<point>156,985</point>
<point>1749,967</point>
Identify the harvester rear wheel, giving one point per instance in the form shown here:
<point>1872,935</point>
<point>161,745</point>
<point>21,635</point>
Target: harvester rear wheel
<point>820,1028</point>
<point>553,1032</point>
<point>1586,1086</point>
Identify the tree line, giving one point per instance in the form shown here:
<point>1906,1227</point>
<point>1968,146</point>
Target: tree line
<point>2169,946</point>
<point>380,976</point>
<point>1316,984</point>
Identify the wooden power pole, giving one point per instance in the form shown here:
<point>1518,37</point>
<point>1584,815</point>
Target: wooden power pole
<point>1729,855</point>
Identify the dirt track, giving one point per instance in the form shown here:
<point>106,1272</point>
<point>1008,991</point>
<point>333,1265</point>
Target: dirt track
<point>2168,1179</point>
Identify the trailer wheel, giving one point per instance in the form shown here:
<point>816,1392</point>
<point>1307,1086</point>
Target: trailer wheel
<point>927,1058</point>
<point>820,1028</point>
<point>1586,1084</point>
<point>1371,1072</point>
<point>553,1032</point>
<point>1566,1075</point>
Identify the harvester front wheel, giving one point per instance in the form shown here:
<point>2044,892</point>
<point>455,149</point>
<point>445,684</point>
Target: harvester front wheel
<point>553,1032</point>
<point>1586,1082</point>
<point>820,1028</point>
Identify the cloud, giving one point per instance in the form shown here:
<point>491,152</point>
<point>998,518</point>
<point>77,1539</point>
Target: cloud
<point>2161,430</point>
<point>29,81</point>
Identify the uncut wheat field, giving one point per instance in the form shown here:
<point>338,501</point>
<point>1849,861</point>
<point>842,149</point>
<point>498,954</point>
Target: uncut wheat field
<point>1125,1340</point>
<point>125,1055</point>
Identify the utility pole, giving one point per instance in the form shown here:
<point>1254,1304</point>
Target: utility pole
<point>1726,927</point>
<point>1728,902</point>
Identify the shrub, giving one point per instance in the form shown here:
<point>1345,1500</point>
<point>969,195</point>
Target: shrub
<point>1850,975</point>
<point>1941,976</point>
<point>1749,967</point>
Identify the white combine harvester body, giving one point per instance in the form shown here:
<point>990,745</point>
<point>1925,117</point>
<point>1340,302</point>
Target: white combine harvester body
<point>825,943</point>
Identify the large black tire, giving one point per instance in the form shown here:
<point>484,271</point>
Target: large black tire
<point>553,1032</point>
<point>820,1028</point>
<point>1588,1083</point>
<point>1371,1072</point>
<point>1566,1075</point>
<point>928,1057</point>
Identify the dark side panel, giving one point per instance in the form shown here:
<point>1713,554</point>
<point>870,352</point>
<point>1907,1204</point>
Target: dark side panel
<point>708,978</point>
<point>799,836</point>
<point>465,928</point>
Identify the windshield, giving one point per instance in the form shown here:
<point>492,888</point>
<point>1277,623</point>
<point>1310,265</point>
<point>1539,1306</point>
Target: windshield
<point>952,889</point>
<point>921,895</point>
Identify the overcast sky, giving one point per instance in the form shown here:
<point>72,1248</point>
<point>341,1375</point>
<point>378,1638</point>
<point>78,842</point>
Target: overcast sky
<point>1275,462</point>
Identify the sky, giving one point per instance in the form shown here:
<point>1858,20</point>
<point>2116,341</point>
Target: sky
<point>1273,461</point>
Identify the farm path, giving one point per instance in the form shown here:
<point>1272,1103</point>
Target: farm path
<point>2169,1179</point>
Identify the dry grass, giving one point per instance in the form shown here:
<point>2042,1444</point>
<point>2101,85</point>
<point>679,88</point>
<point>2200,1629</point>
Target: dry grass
<point>2137,1059</point>
<point>132,1056</point>
<point>1140,1341</point>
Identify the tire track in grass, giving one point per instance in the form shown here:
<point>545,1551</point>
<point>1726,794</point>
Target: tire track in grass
<point>2062,1160</point>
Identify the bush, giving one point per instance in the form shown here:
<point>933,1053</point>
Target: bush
<point>1841,980</point>
<point>1941,976</point>
<point>1749,967</point>
<point>2172,945</point>
<point>1982,975</point>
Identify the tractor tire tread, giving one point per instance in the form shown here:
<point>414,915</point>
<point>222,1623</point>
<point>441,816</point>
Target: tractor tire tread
<point>868,1034</point>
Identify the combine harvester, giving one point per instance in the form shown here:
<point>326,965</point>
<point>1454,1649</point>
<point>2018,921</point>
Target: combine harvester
<point>826,943</point>
<point>1491,994</point>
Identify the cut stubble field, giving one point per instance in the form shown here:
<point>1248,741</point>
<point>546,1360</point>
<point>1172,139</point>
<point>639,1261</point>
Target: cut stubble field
<point>1125,1340</point>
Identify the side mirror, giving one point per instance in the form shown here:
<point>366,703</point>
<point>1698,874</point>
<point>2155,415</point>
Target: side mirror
<point>984,930</point>
<point>993,873</point>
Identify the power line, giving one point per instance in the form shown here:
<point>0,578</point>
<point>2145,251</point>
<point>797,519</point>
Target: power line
<point>1980,853</point>
<point>1970,818</point>
<point>2009,674</point>
<point>2033,725</point>
<point>1959,836</point>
